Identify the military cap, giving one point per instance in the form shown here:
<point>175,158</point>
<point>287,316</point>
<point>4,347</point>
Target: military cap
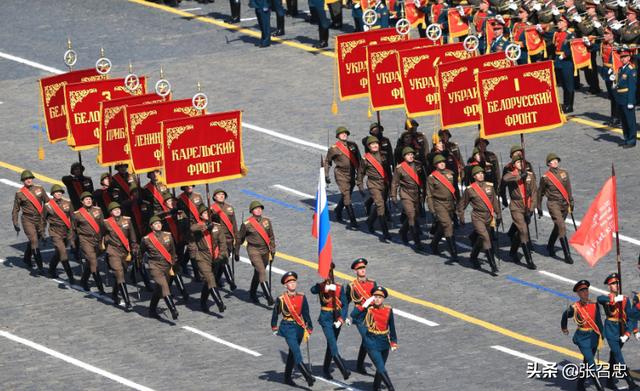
<point>611,278</point>
<point>444,131</point>
<point>624,51</point>
<point>26,174</point>
<point>496,25</point>
<point>289,276</point>
<point>376,125</point>
<point>183,188</point>
<point>154,219</point>
<point>167,195</point>
<point>631,9</point>
<point>255,204</point>
<point>84,195</point>
<point>76,165</point>
<point>438,158</point>
<point>552,156</point>
<point>372,139</point>
<point>590,4</point>
<point>379,291</point>
<point>150,173</point>
<point>410,123</point>
<point>359,264</point>
<point>516,158</point>
<point>564,17</point>
<point>202,208</point>
<point>112,206</point>
<point>216,191</point>
<point>56,188</point>
<point>474,151</point>
<point>342,129</point>
<point>581,285</point>
<point>407,150</point>
<point>476,169</point>
<point>132,187</point>
<point>480,140</point>
<point>121,165</point>
<point>515,149</point>
<point>104,175</point>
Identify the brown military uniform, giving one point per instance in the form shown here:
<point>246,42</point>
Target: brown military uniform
<point>481,217</point>
<point>58,230</point>
<point>140,212</point>
<point>205,255</point>
<point>230,233</point>
<point>411,193</point>
<point>417,141</point>
<point>345,172</point>
<point>630,33</point>
<point>88,238</point>
<point>441,202</point>
<point>104,196</point>
<point>377,185</point>
<point>197,200</point>
<point>385,149</point>
<point>158,265</point>
<point>519,211</point>
<point>122,184</point>
<point>147,194</point>
<point>556,203</point>
<point>491,168</point>
<point>75,187</point>
<point>32,220</point>
<point>257,249</point>
<point>116,251</point>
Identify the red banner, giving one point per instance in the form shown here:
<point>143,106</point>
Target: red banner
<point>520,99</point>
<point>143,130</point>
<point>351,57</point>
<point>418,75</point>
<point>114,146</point>
<point>593,240</point>
<point>580,55</point>
<point>385,87</point>
<point>52,96</point>
<point>203,149</point>
<point>457,88</point>
<point>414,15</point>
<point>82,102</point>
<point>535,43</point>
<point>458,24</point>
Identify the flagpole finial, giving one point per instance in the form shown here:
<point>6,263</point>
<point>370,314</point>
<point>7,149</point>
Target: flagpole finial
<point>130,67</point>
<point>69,43</point>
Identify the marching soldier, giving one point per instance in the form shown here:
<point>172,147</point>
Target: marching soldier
<point>590,29</point>
<point>87,225</point>
<point>210,248</point>
<point>263,13</point>
<point>224,215</point>
<point>316,7</point>
<point>154,191</point>
<point>563,62</point>
<point>588,334</point>
<point>122,181</point>
<point>500,40</point>
<point>607,47</point>
<point>77,184</point>
<point>103,196</point>
<point>57,214</point>
<point>333,312</point>
<point>491,163</point>
<point>120,242</point>
<point>381,333</point>
<point>295,326</point>
<point>30,199</point>
<point>189,203</point>
<point>617,327</point>
<point>630,33</point>
<point>161,255</point>
<point>408,180</point>
<point>485,216</point>
<point>414,139</point>
<point>556,186</point>
<point>523,199</point>
<point>235,6</point>
<point>441,200</point>
<point>625,94</point>
<point>358,291</point>
<point>451,154</point>
<point>276,6</point>
<point>346,156</point>
<point>140,212</point>
<point>376,168</point>
<point>257,230</point>
<point>176,222</point>
<point>376,130</point>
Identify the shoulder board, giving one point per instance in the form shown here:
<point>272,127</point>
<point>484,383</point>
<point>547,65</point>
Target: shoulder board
<point>299,293</point>
<point>76,211</point>
<point>333,146</point>
<point>126,218</point>
<point>489,184</point>
<point>386,306</point>
<point>246,222</point>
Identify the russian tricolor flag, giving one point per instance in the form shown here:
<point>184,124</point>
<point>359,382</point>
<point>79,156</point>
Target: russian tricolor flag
<point>320,228</point>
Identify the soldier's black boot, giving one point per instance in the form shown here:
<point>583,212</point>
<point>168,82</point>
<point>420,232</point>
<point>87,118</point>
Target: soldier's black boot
<point>279,26</point>
<point>84,280</point>
<point>338,210</point>
<point>362,353</point>
<point>326,364</point>
<point>565,250</point>
<point>630,382</point>
<point>492,261</point>
<point>386,381</point>
<point>228,274</point>
<point>114,295</point>
<point>235,11</point>
<point>145,278</point>
<point>352,217</point>
<point>292,8</point>
<point>335,11</point>
<point>342,367</point>
<point>570,102</point>
<point>196,271</point>
<point>307,374</point>
<point>527,256</point>
<point>416,238</point>
<point>98,280</point>
<point>168,300</point>
<point>403,232</point>
<point>377,381</point>
<point>597,383</point>
<point>369,202</point>
<point>53,266</point>
<point>125,296</point>
<point>451,243</point>
<point>385,231</point>
<point>215,295</point>
<point>475,251</point>
<point>253,289</point>
<point>38,256</point>
<point>436,240</point>
<point>181,287</point>
<point>371,221</point>
<point>513,250</point>
<point>204,295</point>
<point>27,257</point>
<point>267,294</point>
<point>67,269</point>
<point>153,307</point>
<point>288,369</point>
<point>551,243</point>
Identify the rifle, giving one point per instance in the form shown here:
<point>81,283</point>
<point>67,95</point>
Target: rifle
<point>525,199</point>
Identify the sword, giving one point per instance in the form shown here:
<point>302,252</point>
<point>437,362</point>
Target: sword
<point>308,355</point>
<point>270,263</point>
<point>573,220</point>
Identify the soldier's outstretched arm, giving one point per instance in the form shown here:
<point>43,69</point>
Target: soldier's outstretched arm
<point>15,213</point>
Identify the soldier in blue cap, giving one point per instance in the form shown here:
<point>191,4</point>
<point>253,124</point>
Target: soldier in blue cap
<point>381,333</point>
<point>563,62</point>
<point>358,291</point>
<point>617,326</point>
<point>295,326</point>
<point>625,95</point>
<point>333,312</point>
<point>587,336</point>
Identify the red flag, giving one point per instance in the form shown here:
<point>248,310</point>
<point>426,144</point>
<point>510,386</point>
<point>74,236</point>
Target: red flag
<point>594,238</point>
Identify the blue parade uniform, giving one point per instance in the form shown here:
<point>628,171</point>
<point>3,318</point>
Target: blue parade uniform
<point>356,13</point>
<point>563,64</point>
<point>263,13</point>
<point>383,15</point>
<point>358,292</point>
<point>625,96</point>
<point>316,7</point>
<point>499,44</point>
<point>606,71</point>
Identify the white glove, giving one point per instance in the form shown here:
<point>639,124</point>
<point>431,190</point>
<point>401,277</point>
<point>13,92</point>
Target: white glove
<point>619,298</point>
<point>610,71</point>
<point>368,302</point>
<point>537,7</point>
<point>500,19</point>
<point>555,11</point>
<point>460,10</point>
<point>597,24</point>
<point>539,28</point>
<point>394,348</point>
<point>561,56</point>
<point>616,25</point>
<point>416,3</point>
<point>630,107</point>
<point>337,324</point>
<point>330,287</point>
<point>513,6</point>
<point>586,41</point>
<point>596,2</point>
<point>637,335</point>
<point>348,322</point>
<point>622,3</point>
<point>275,333</point>
<point>624,338</point>
<point>577,18</point>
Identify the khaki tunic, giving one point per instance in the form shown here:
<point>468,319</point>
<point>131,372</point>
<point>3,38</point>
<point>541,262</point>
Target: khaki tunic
<point>204,255</point>
<point>259,252</point>
<point>378,187</point>
<point>229,235</point>
<point>197,200</point>
<point>32,220</point>
<point>411,194</point>
<point>88,238</point>
<point>519,212</point>
<point>58,230</point>
<point>158,266</point>
<point>345,173</point>
<point>75,187</point>
<point>481,217</point>
<point>556,203</point>
<point>441,202</point>
<point>116,250</point>
<point>147,194</point>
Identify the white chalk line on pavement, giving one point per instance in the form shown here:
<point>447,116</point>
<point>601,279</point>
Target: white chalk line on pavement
<point>221,341</point>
